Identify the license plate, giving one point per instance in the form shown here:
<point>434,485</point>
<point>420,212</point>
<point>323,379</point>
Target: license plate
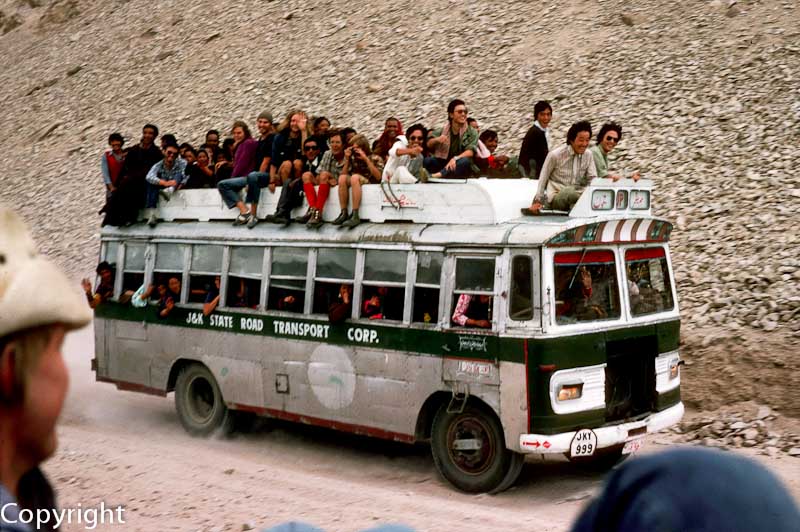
<point>633,446</point>
<point>584,443</point>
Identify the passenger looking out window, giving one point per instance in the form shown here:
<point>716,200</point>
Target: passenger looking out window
<point>341,307</point>
<point>212,298</point>
<point>105,288</point>
<point>168,297</point>
<point>473,311</point>
<point>649,284</point>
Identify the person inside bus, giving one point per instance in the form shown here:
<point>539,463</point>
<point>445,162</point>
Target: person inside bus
<point>104,290</point>
<point>473,311</point>
<point>288,300</point>
<point>341,308</point>
<point>453,145</point>
<point>168,296</point>
<point>373,306</point>
<point>328,171</point>
<point>212,298</point>
<point>404,164</point>
<point>567,170</point>
<point>584,302</point>
<point>360,167</point>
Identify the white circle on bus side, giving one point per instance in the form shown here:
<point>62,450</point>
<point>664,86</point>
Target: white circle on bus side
<point>332,377</point>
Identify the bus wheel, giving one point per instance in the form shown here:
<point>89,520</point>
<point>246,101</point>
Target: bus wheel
<point>199,402</point>
<point>602,461</point>
<point>470,452</point>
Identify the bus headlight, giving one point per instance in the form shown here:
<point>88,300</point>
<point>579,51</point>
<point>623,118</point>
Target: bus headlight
<point>568,392</point>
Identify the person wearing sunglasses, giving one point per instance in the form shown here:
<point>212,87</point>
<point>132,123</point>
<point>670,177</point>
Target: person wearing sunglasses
<point>453,145</point>
<point>405,158</point>
<point>164,178</point>
<point>290,192</point>
<point>608,138</point>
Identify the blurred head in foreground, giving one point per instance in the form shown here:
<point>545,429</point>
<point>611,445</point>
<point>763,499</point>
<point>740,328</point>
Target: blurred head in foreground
<point>691,489</point>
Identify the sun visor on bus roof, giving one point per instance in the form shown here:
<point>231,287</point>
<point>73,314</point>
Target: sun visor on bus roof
<point>614,232</point>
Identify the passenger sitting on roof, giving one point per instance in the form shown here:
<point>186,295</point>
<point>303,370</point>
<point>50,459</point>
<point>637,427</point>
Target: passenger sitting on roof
<point>244,162</point>
<point>492,165</point>
<point>111,163</point>
<point>536,143</point>
<point>330,168</point>
<point>473,311</point>
<point>321,128</point>
<point>391,130</point>
<point>199,174</point>
<point>291,191</point>
<point>610,135</point>
<point>360,167</point>
<point>453,145</point>
<point>405,158</point>
<point>163,179</point>
<point>566,171</point>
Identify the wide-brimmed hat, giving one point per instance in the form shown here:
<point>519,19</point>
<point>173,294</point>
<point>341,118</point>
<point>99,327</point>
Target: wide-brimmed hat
<point>33,291</point>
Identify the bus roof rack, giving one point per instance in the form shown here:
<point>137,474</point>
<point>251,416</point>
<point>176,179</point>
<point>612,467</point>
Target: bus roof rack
<point>471,201</point>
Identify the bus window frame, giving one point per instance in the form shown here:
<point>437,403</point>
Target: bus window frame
<point>312,280</point>
<point>411,282</point>
<point>359,275</point>
<point>534,255</point>
<point>227,255</point>
<point>269,253</point>
<point>548,278</point>
<point>187,257</point>
<point>191,272</point>
<point>118,259</point>
<point>121,271</point>
<point>449,266</point>
<point>624,291</point>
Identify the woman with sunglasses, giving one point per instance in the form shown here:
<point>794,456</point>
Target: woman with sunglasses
<point>405,158</point>
<point>453,145</point>
<point>608,138</point>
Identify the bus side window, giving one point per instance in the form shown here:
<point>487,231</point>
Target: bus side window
<point>384,283</point>
<point>335,266</point>
<point>169,265</point>
<point>133,268</point>
<point>521,303</point>
<point>473,292</point>
<point>426,287</point>
<point>206,265</point>
<point>287,281</point>
<point>244,277</point>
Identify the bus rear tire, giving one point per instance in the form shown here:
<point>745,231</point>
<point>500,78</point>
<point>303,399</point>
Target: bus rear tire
<point>469,451</point>
<point>199,402</point>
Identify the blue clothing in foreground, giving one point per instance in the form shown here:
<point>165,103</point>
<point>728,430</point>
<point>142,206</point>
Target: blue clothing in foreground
<point>9,513</point>
<point>691,489</point>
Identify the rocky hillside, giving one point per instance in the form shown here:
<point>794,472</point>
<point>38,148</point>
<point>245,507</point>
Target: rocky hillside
<point>707,92</point>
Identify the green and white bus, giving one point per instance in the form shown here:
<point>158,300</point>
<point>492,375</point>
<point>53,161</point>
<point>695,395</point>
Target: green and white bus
<point>580,359</point>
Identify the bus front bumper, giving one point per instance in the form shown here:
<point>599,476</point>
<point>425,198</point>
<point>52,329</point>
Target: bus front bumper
<point>609,436</point>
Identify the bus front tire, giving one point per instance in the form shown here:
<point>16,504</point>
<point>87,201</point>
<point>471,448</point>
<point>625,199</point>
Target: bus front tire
<point>469,451</point>
<point>199,402</point>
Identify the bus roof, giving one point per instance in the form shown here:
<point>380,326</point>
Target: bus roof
<point>523,231</point>
<point>478,201</point>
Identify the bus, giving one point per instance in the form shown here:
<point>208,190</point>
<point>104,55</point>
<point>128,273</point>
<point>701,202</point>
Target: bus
<point>575,353</point>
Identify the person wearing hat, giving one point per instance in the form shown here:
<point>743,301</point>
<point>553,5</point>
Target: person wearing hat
<point>104,290</point>
<point>38,306</point>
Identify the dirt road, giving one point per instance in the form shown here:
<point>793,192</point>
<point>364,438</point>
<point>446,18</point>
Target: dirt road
<point>129,449</point>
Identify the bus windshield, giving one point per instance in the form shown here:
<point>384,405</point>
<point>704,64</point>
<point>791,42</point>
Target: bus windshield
<point>649,285</point>
<point>586,286</point>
